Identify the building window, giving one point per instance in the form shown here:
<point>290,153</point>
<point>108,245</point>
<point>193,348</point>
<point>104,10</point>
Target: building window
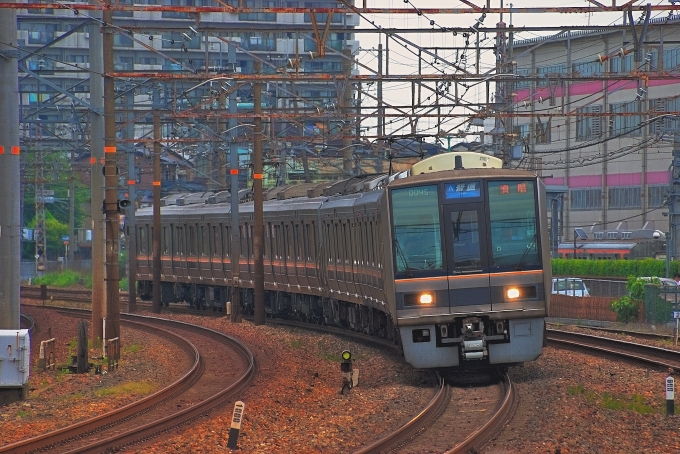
<point>122,40</point>
<point>671,59</point>
<point>174,15</point>
<point>622,65</point>
<point>626,124</point>
<point>124,64</point>
<point>546,72</point>
<point>322,17</point>
<point>585,199</point>
<point>542,130</point>
<point>662,106</point>
<point>656,196</point>
<point>521,131</point>
<point>625,197</point>
<point>588,123</point>
<point>175,40</point>
<point>259,17</point>
<point>523,83</point>
<point>587,68</point>
<point>147,60</point>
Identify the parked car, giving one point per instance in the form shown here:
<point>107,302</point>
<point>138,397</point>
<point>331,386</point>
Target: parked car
<point>571,286</point>
<point>663,281</point>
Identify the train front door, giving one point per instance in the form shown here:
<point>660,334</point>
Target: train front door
<point>467,263</point>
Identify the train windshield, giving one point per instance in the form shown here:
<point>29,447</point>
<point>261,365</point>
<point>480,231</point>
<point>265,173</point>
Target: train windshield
<point>512,217</point>
<point>417,235</point>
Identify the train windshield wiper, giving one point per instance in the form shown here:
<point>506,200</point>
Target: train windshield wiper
<point>401,254</point>
<point>526,251</point>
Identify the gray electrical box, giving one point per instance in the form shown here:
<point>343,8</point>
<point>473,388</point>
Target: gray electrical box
<point>15,357</point>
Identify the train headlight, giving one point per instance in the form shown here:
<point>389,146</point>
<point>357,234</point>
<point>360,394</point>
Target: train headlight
<point>512,293</point>
<point>426,298</point>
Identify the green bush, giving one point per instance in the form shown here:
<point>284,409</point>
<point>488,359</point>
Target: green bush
<point>627,307</point>
<point>612,268</point>
<point>60,279</point>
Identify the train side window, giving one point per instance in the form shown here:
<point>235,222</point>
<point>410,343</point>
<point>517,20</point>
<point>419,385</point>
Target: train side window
<point>251,247</point>
<point>275,241</point>
<point>371,250</point>
<point>142,239</point>
<point>289,242</point>
<point>298,242</point>
<point>267,239</point>
<point>226,242</point>
<point>348,243</point>
<point>337,241</point>
<point>305,241</point>
<point>379,250</point>
<point>327,241</point>
<point>205,242</point>
<point>342,243</point>
<point>312,245</point>
<point>217,240</point>
<point>192,241</point>
<point>165,241</point>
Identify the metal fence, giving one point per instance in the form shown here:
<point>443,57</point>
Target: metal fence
<point>659,302</point>
<point>28,267</point>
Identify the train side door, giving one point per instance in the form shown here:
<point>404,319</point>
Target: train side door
<point>467,264</point>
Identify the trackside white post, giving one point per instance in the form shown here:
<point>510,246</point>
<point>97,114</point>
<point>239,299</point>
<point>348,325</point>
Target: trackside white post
<point>236,425</point>
<point>670,395</point>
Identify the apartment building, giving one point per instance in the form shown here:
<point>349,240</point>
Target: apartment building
<point>595,113</point>
<point>54,65</point>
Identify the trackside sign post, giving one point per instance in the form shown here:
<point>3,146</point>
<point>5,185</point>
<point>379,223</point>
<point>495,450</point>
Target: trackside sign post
<point>670,396</point>
<point>236,425</point>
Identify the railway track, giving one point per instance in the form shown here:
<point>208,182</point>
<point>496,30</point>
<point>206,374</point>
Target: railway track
<point>648,354</point>
<point>203,388</point>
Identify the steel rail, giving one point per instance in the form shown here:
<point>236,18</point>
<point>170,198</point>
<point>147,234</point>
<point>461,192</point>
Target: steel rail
<point>499,418</point>
<point>648,354</point>
<point>182,417</point>
<point>408,430</point>
<point>60,436</point>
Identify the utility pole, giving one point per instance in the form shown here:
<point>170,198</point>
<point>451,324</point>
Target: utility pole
<point>258,232</point>
<point>96,176</point>
<point>233,191</point>
<point>111,185</point>
<point>130,222</point>
<point>10,219</point>
<point>221,153</point>
<point>156,236</point>
<point>347,154</point>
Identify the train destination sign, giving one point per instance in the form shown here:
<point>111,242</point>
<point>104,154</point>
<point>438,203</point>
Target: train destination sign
<point>463,190</point>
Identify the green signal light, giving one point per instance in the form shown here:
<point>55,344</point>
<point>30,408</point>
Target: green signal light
<point>346,355</point>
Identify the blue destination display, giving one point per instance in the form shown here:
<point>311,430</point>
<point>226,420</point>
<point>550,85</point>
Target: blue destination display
<point>465,190</point>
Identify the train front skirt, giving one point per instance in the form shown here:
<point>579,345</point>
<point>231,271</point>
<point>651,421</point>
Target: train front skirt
<point>422,350</point>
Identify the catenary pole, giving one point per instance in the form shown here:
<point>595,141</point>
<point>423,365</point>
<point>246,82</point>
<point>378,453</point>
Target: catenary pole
<point>10,218</point>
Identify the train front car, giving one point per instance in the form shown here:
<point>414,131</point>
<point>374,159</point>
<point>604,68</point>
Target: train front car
<point>471,264</point>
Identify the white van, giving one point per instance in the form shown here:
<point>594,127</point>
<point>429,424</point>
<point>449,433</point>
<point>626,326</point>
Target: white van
<point>571,286</point>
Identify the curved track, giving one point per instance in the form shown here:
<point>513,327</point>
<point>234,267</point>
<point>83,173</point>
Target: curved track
<point>201,389</point>
<point>648,354</point>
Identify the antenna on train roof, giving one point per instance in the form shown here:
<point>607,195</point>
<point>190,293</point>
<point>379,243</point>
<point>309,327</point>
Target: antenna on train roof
<point>458,163</point>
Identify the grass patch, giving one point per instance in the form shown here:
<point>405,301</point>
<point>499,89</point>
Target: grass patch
<point>133,348</point>
<point>140,388</point>
<point>296,343</point>
<point>634,403</point>
<point>23,414</point>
